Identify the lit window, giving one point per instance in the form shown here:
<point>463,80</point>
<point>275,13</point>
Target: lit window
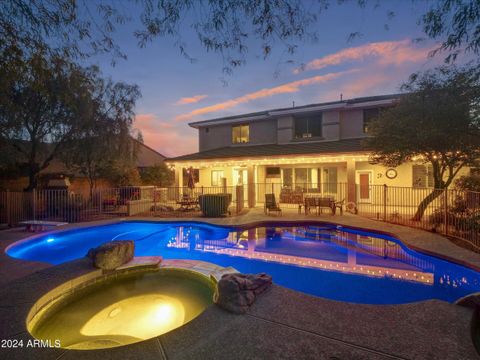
<point>422,176</point>
<point>369,115</point>
<point>240,134</point>
<point>217,176</point>
<point>308,127</point>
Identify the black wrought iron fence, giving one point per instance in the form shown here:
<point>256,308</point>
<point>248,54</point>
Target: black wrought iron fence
<point>66,206</point>
<point>450,212</point>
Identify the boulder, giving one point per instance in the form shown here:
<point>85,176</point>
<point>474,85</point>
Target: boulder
<point>113,254</point>
<point>471,301</point>
<point>237,292</point>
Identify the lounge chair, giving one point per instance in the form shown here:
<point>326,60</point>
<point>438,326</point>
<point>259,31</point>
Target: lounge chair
<point>271,204</point>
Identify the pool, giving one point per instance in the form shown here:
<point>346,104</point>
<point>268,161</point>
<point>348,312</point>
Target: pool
<point>324,260</point>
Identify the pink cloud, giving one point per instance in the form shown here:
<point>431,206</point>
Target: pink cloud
<point>164,137</point>
<point>290,87</point>
<point>190,100</point>
<point>364,85</point>
<point>384,53</point>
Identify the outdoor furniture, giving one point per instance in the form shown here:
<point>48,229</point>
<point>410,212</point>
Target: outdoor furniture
<point>310,202</point>
<point>289,196</point>
<point>271,204</point>
<point>339,205</point>
<point>39,225</point>
<point>188,203</point>
<point>319,203</point>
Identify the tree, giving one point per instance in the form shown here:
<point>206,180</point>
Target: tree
<point>123,172</point>
<point>456,23</point>
<point>49,105</point>
<point>82,28</point>
<point>437,121</point>
<point>41,108</point>
<point>105,136</point>
<point>158,175</point>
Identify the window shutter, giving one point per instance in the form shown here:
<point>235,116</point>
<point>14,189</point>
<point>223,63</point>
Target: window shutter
<point>419,176</point>
<point>430,180</point>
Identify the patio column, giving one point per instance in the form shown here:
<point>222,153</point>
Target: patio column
<point>251,186</point>
<point>178,182</point>
<point>178,176</point>
<point>351,188</point>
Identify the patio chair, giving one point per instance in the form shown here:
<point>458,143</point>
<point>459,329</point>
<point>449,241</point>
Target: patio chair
<point>310,202</point>
<point>326,203</point>
<point>271,204</point>
<point>339,205</point>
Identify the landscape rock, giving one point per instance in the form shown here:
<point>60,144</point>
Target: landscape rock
<point>113,254</point>
<point>237,292</point>
<point>471,301</point>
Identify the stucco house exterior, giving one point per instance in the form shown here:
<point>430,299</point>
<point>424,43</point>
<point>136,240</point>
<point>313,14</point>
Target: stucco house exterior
<point>315,148</point>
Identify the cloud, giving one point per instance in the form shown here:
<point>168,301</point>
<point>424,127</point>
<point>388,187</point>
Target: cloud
<point>190,100</point>
<point>364,85</point>
<point>384,53</point>
<point>290,87</point>
<point>164,137</point>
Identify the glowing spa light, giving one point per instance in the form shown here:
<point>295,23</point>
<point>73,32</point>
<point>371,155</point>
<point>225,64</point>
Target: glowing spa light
<point>141,317</point>
<point>49,240</point>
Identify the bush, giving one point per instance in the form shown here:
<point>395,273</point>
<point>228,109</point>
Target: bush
<point>460,216</point>
<point>214,205</point>
<point>468,183</point>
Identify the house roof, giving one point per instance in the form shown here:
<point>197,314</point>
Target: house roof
<point>146,156</point>
<point>260,115</point>
<point>304,148</point>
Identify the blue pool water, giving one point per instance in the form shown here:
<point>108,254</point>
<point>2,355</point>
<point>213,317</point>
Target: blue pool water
<point>323,260</point>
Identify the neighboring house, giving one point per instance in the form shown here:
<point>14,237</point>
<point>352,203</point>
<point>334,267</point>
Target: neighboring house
<point>311,148</point>
<point>145,157</point>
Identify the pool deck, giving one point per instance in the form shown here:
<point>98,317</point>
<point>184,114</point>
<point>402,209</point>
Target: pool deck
<point>282,324</point>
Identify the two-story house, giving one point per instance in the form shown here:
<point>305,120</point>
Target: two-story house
<point>315,148</point>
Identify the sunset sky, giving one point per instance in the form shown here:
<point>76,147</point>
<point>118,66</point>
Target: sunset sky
<point>176,91</point>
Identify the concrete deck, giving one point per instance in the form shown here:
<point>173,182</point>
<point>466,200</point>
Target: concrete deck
<point>282,324</point>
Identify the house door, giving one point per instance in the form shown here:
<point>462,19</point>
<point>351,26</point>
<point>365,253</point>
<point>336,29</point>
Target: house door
<point>240,177</point>
<point>364,183</point>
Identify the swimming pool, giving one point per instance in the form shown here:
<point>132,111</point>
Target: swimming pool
<point>324,260</point>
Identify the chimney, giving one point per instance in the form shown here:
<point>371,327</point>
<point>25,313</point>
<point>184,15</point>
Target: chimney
<point>341,97</point>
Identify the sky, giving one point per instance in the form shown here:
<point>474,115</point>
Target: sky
<point>176,91</point>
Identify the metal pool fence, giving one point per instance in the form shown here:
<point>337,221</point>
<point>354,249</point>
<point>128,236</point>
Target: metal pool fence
<point>451,212</point>
<point>65,206</point>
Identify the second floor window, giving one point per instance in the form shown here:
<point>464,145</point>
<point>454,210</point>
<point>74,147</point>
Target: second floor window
<point>368,116</point>
<point>240,134</point>
<point>308,127</point>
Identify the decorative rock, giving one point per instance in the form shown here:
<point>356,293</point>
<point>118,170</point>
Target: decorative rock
<point>113,254</point>
<point>237,292</point>
<point>471,301</point>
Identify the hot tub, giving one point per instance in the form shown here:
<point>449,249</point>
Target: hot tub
<point>120,309</point>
